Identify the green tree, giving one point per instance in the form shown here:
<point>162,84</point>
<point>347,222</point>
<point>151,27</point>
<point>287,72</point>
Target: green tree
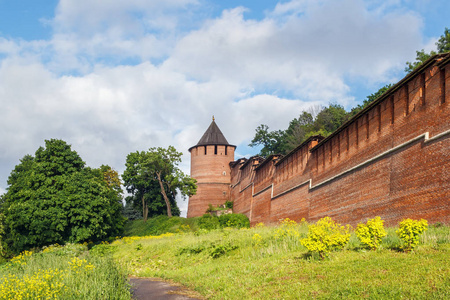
<point>150,175</point>
<point>298,130</point>
<point>272,142</point>
<point>330,119</point>
<point>443,46</point>
<point>53,198</point>
<point>369,99</point>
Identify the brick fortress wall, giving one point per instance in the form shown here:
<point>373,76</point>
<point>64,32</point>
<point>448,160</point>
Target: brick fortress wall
<point>391,160</point>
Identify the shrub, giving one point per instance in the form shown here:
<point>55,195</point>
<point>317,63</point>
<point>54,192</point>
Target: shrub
<point>208,222</point>
<point>288,229</point>
<point>217,251</point>
<point>229,204</point>
<point>325,236</point>
<point>409,232</point>
<point>234,220</point>
<point>370,234</point>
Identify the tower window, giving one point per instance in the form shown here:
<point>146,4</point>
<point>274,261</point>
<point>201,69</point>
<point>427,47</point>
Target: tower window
<point>215,149</point>
<point>226,152</point>
<point>205,150</point>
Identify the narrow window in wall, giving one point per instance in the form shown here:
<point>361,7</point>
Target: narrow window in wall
<point>357,132</point>
<point>205,150</point>
<point>392,110</point>
<point>442,85</point>
<point>422,89</point>
<point>226,150</point>
<point>367,126</point>
<point>215,149</point>
<point>406,100</point>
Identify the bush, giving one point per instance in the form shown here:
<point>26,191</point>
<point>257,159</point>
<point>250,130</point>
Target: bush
<point>325,236</point>
<point>370,234</point>
<point>234,220</point>
<point>409,232</point>
<point>229,204</point>
<point>208,222</point>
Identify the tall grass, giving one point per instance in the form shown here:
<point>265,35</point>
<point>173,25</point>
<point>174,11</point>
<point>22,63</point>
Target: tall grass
<point>269,262</point>
<point>59,272</point>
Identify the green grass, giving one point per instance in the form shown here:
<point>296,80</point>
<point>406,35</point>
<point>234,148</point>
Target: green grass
<point>68,272</point>
<point>158,225</point>
<point>255,264</point>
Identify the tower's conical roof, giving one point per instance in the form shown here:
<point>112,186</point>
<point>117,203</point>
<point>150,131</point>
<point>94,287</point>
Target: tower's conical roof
<point>212,136</point>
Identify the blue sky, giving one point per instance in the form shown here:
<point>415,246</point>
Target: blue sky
<point>112,77</point>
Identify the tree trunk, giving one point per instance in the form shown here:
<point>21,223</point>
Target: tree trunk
<point>144,210</point>
<point>163,192</point>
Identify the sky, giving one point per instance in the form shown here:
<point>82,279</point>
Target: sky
<point>113,77</point>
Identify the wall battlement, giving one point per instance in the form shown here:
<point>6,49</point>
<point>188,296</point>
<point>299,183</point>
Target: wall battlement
<point>391,160</point>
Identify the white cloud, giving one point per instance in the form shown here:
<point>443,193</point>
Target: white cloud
<point>245,72</point>
<point>307,55</point>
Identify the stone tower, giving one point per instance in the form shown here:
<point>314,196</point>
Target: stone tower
<point>210,166</point>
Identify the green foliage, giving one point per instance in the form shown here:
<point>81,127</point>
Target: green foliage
<point>371,233</point>
<point>191,249</point>
<point>272,142</point>
<point>330,118</point>
<point>59,273</point>
<point>153,178</point>
<point>368,100</point>
<point>443,46</point>
<point>218,250</point>
<point>214,249</point>
<point>409,232</point>
<point>234,221</point>
<point>263,267</point>
<point>326,235</point>
<point>229,204</point>
<point>53,198</point>
<point>208,222</point>
<point>281,142</point>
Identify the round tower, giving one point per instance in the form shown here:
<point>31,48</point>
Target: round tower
<point>210,166</point>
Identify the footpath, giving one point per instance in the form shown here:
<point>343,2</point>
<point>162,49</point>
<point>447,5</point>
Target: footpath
<point>153,288</point>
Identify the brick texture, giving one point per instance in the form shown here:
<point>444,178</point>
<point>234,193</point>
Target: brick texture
<point>392,160</point>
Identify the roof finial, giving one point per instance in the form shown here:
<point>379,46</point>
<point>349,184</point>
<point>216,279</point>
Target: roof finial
<point>213,118</point>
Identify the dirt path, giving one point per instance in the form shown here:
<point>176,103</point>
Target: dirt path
<point>153,288</point>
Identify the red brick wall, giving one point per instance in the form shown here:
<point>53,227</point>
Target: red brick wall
<point>412,181</point>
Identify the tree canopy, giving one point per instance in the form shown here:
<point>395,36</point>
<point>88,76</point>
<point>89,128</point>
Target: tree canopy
<point>54,198</point>
<point>301,128</point>
<point>153,179</point>
<point>442,45</point>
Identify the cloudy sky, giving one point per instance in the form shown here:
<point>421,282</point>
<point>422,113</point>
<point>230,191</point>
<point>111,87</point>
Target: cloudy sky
<point>112,77</point>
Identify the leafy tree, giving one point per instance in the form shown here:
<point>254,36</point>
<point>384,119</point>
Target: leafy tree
<point>272,142</point>
<point>53,198</point>
<point>298,130</point>
<point>301,128</point>
<point>443,46</point>
<point>330,118</point>
<point>153,174</point>
<point>369,99</point>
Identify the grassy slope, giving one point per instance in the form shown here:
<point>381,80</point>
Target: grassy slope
<point>267,267</point>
